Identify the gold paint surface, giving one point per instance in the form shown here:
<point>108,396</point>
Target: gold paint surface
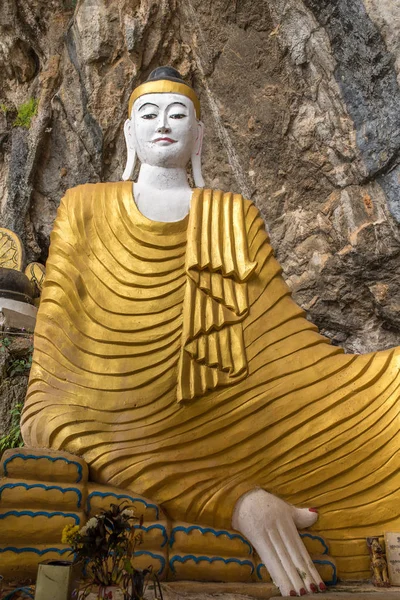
<point>137,314</point>
<point>186,539</point>
<point>44,465</point>
<point>191,567</point>
<point>16,530</point>
<point>11,250</point>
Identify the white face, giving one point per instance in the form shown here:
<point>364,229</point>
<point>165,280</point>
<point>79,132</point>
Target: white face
<point>163,129</point>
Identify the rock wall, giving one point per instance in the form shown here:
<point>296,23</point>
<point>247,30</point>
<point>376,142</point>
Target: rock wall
<point>15,361</point>
<point>300,101</point>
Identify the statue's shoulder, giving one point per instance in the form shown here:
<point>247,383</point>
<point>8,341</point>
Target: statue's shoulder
<point>249,208</point>
<point>86,198</point>
<point>89,190</point>
<point>248,214</point>
<point>227,196</point>
<point>231,208</point>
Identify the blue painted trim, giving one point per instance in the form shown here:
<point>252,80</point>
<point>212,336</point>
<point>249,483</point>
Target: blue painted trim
<point>44,487</point>
<point>40,513</point>
<point>164,531</point>
<point>216,532</point>
<point>197,559</point>
<point>50,458</point>
<point>23,590</point>
<point>316,537</point>
<point>35,550</point>
<point>258,570</point>
<point>333,581</point>
<point>119,497</point>
<point>157,556</point>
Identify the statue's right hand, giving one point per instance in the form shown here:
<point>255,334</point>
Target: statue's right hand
<point>270,524</point>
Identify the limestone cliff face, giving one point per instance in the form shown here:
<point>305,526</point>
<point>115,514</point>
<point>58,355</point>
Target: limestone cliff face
<point>301,105</point>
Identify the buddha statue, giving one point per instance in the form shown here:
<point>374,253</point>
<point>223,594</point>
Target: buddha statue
<point>18,292</point>
<point>170,356</point>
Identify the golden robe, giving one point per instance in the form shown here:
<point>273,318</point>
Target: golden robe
<point>173,359</point>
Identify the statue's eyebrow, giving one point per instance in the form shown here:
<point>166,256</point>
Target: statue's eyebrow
<point>181,103</point>
<point>147,104</point>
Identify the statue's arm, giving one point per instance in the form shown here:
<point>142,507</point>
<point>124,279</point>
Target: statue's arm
<point>269,523</point>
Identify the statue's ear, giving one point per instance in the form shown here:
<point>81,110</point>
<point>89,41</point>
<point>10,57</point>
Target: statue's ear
<point>131,151</point>
<point>196,156</point>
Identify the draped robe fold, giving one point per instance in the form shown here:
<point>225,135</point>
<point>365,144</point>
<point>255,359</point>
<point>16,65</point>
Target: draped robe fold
<point>172,357</point>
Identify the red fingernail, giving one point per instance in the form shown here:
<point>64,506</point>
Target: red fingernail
<point>322,586</point>
<point>292,593</point>
<point>313,510</point>
<point>303,592</point>
<point>313,588</point>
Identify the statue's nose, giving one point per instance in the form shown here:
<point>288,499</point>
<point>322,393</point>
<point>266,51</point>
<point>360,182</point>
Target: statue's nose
<point>163,128</point>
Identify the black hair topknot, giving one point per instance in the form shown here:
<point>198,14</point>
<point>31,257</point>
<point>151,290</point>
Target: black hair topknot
<point>168,73</point>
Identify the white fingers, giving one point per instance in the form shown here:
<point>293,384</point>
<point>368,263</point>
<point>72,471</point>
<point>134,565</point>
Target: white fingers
<point>304,517</point>
<point>287,561</point>
<point>267,551</point>
<point>298,552</point>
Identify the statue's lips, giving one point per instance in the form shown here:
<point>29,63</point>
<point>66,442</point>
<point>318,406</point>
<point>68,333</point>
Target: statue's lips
<point>165,139</point>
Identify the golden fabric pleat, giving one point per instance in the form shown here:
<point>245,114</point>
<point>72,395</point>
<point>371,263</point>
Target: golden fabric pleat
<point>216,302</point>
<point>308,423</point>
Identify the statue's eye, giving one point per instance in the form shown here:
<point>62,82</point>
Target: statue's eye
<point>149,116</point>
<point>178,116</point>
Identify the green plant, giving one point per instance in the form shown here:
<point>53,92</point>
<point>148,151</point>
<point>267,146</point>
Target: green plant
<point>106,546</point>
<point>134,583</point>
<point>25,113</point>
<point>4,343</point>
<point>20,365</point>
<point>13,439</point>
<point>4,108</point>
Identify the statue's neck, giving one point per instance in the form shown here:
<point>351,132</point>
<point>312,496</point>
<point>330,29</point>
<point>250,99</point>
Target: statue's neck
<point>162,194</point>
